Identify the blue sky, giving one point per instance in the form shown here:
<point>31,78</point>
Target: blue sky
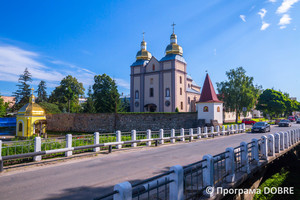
<point>85,38</point>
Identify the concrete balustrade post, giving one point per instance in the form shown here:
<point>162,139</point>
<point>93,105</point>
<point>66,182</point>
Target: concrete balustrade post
<point>119,139</point>
<point>264,147</point>
<point>205,132</point>
<point>208,173</point>
<point>228,130</point>
<point>271,145</point>
<point>244,127</point>
<point>217,130</point>
<point>212,130</point>
<point>223,130</point>
<point>286,140</point>
<point>173,136</point>
<point>176,187</point>
<point>68,145</point>
<point>281,141</point>
<point>37,148</point>
<point>124,191</point>
<point>229,165</point>
<point>277,142</point>
<point>161,136</point>
<point>289,139</point>
<point>199,133</point>
<point>254,151</point>
<point>148,137</point>
<point>182,134</point>
<point>96,141</point>
<point>232,129</point>
<point>133,137</point>
<point>191,133</point>
<point>236,128</point>
<point>244,157</point>
<point>1,161</point>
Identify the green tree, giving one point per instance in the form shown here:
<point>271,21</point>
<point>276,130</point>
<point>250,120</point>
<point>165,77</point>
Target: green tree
<point>88,106</point>
<point>23,92</point>
<point>238,92</point>
<point>3,107</point>
<point>41,91</point>
<point>272,102</point>
<point>106,96</point>
<point>66,95</point>
<point>50,108</point>
<point>125,105</point>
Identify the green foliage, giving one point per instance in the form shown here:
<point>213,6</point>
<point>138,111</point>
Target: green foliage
<point>88,106</point>
<point>66,95</point>
<point>3,107</point>
<point>275,181</point>
<point>275,103</point>
<point>238,92</point>
<point>23,92</point>
<point>176,110</point>
<point>50,108</point>
<point>125,105</point>
<point>106,96</point>
<point>41,91</point>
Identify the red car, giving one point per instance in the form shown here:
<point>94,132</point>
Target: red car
<point>248,121</point>
<point>292,118</point>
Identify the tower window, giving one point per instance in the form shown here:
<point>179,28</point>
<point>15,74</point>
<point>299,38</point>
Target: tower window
<point>153,67</point>
<point>167,92</point>
<point>189,85</point>
<point>205,109</point>
<point>20,127</point>
<point>151,81</point>
<point>180,79</point>
<point>137,94</point>
<point>151,92</point>
<point>181,105</point>
<point>189,100</point>
<point>218,109</point>
<point>180,91</point>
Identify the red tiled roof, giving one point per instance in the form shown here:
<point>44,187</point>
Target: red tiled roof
<point>208,93</point>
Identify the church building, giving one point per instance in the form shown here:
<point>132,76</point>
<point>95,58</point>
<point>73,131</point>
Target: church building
<point>162,85</point>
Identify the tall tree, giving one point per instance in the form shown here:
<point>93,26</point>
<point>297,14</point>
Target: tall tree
<point>23,92</point>
<point>238,92</point>
<point>41,91</point>
<point>125,105</point>
<point>106,96</point>
<point>272,102</point>
<point>3,107</point>
<point>66,95</point>
<point>88,106</point>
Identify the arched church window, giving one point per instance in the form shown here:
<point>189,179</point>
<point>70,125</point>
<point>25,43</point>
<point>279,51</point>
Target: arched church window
<point>180,91</point>
<point>167,92</point>
<point>218,109</point>
<point>189,85</point>
<point>151,92</point>
<point>205,109</point>
<point>189,100</point>
<point>151,81</point>
<point>137,94</point>
<point>181,105</point>
<point>153,67</point>
<point>20,127</point>
<point>180,79</point>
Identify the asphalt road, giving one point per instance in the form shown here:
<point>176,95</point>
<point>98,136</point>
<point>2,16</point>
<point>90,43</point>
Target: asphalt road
<point>87,178</point>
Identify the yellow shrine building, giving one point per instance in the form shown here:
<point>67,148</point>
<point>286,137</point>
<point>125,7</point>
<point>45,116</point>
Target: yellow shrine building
<point>31,119</point>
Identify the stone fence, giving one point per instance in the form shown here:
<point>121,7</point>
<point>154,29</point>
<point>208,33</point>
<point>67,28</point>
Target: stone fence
<point>110,122</point>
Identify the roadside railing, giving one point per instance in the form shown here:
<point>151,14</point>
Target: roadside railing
<point>200,178</point>
<point>38,148</point>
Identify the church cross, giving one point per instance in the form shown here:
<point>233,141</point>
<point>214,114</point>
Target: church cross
<point>143,36</point>
<point>173,26</point>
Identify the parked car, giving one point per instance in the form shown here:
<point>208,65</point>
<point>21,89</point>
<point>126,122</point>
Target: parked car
<point>248,121</point>
<point>284,122</point>
<point>292,118</point>
<point>298,121</point>
<point>261,127</point>
<point>277,121</point>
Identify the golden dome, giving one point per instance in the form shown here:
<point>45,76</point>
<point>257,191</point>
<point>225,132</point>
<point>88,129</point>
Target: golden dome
<point>143,54</point>
<point>31,108</point>
<point>173,47</point>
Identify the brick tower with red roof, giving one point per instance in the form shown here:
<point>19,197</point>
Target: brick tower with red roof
<point>209,106</point>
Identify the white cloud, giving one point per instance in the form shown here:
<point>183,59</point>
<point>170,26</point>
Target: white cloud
<point>243,17</point>
<point>284,20</point>
<point>285,6</point>
<point>282,27</point>
<point>262,13</point>
<point>264,26</point>
<point>13,61</point>
<point>273,1</point>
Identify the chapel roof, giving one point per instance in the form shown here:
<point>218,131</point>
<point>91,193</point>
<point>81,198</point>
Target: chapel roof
<point>208,93</point>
